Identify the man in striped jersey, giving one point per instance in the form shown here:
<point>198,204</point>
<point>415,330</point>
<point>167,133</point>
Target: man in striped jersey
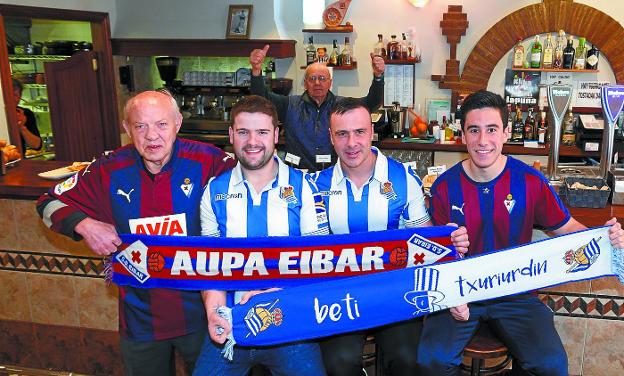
<point>260,197</point>
<point>499,199</point>
<point>366,191</point>
<point>152,186</point>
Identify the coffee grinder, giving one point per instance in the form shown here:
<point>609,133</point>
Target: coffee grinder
<point>168,70</point>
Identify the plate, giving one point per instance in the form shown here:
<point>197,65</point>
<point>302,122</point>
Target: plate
<point>61,173</point>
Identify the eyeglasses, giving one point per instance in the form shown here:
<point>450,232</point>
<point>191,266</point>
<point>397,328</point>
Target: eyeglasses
<point>314,78</point>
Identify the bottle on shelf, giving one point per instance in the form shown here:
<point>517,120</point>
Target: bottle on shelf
<point>310,51</point>
<point>380,47</point>
<point>333,57</point>
<point>558,55</point>
<point>403,48</point>
<point>346,56</point>
<point>517,132</point>
<point>448,131</point>
<point>542,130</point>
<point>581,51</point>
<point>393,48</point>
<point>568,54</point>
<point>529,126</point>
<point>591,62</point>
<point>568,137</point>
<point>536,53</point>
<point>547,59</point>
<point>510,120</point>
<point>518,55</point>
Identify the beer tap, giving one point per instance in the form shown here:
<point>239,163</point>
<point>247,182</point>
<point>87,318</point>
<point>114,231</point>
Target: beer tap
<point>559,97</point>
<point>612,102</point>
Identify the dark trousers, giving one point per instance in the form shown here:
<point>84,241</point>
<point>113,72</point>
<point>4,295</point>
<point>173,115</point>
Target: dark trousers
<point>155,358</point>
<point>525,325</point>
<point>342,355</point>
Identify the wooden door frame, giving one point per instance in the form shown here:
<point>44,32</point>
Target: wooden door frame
<point>100,33</point>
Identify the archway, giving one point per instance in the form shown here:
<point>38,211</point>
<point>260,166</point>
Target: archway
<point>549,16</point>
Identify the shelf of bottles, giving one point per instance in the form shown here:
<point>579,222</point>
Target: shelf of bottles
<point>37,57</point>
<point>348,28</point>
<point>556,70</point>
<point>34,86</point>
<point>557,55</point>
<point>337,59</point>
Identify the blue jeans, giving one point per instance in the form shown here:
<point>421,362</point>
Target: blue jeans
<point>301,359</point>
<point>524,324</point>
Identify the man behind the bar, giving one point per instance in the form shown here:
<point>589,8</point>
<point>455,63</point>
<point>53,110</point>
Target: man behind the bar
<point>264,197</point>
<point>499,200</point>
<point>306,117</point>
<point>158,177</point>
<point>366,191</point>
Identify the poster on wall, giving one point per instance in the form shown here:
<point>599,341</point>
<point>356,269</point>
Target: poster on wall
<point>522,87</point>
<point>588,94</point>
<point>399,85</point>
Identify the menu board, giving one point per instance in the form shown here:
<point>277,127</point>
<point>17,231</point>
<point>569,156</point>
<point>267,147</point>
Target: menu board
<point>399,85</point>
<point>522,87</point>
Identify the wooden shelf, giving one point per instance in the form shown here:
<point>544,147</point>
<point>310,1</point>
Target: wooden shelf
<point>352,67</point>
<point>401,61</point>
<point>556,70</point>
<point>348,28</point>
<point>280,48</point>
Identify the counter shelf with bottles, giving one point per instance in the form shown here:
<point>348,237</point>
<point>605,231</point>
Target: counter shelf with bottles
<point>335,57</point>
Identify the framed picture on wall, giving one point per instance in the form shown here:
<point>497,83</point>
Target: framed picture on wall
<point>239,22</point>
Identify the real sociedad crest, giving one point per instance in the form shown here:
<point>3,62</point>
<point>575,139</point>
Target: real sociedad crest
<point>387,190</point>
<point>425,296</point>
<point>134,259</point>
<point>260,317</point>
<point>584,257</point>
<point>287,194</point>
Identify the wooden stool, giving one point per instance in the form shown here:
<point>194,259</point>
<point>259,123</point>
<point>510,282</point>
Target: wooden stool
<point>485,345</point>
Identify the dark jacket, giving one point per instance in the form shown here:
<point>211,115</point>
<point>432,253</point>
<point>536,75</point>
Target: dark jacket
<point>306,124</point>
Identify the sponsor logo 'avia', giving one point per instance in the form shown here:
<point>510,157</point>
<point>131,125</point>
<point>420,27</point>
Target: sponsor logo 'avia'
<point>174,225</point>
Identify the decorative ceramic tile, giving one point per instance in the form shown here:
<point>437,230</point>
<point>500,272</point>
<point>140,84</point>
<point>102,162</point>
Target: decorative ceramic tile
<point>96,303</point>
<point>585,305</point>
<point>572,333</point>
<point>52,263</point>
<point>604,348</point>
<point>9,234</point>
<point>52,299</point>
<point>101,351</point>
<point>13,296</point>
<point>60,348</point>
<point>17,344</point>
<point>607,286</point>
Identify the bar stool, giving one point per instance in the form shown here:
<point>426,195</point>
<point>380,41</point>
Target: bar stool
<point>485,345</point>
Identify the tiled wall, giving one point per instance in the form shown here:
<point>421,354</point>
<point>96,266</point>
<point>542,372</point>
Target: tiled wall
<point>56,310</point>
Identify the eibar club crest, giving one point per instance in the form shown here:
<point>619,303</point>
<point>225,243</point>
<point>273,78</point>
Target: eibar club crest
<point>387,190</point>
<point>584,257</point>
<point>260,317</point>
<point>287,194</point>
<point>187,187</point>
<point>509,203</point>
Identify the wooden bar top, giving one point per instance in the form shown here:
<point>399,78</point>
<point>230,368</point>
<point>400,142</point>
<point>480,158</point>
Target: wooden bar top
<point>22,182</point>
<point>397,144</point>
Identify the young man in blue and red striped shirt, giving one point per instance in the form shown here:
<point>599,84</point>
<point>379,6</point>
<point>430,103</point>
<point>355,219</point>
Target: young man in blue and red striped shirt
<point>153,186</point>
<point>499,200</point>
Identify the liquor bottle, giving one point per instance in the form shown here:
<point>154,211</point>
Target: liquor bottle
<point>547,60</point>
<point>347,54</point>
<point>509,120</point>
<point>310,52</point>
<point>569,134</point>
<point>393,48</point>
<point>518,55</point>
<point>592,58</point>
<point>403,48</point>
<point>542,130</point>
<point>380,47</point>
<point>558,59</point>
<point>581,51</point>
<point>333,57</point>
<point>536,53</point>
<point>517,132</point>
<point>529,126</point>
<point>448,131</point>
<point>568,54</point>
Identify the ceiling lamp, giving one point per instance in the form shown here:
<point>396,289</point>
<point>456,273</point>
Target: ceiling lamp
<point>418,3</point>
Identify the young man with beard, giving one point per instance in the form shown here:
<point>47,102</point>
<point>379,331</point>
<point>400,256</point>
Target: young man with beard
<point>499,200</point>
<point>371,192</point>
<point>265,197</point>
